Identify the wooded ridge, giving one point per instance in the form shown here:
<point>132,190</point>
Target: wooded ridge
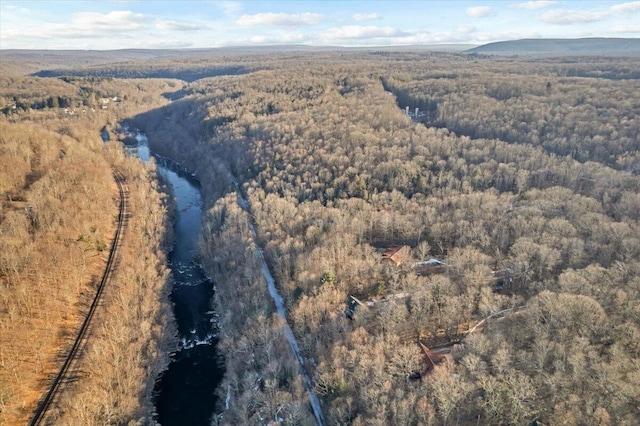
<point>335,171</point>
<point>518,178</point>
<point>59,204</point>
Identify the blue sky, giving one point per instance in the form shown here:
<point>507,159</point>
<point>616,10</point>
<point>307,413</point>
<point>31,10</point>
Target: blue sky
<point>123,24</point>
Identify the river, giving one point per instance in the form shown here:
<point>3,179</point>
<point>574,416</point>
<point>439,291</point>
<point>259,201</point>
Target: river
<point>185,392</point>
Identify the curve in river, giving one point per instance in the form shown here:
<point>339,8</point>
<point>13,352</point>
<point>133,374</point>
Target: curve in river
<point>185,392</point>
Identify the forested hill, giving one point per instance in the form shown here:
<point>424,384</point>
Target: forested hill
<point>521,171</point>
<point>508,192</point>
<point>14,62</point>
<point>581,46</point>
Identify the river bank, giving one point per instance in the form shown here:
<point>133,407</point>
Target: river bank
<point>185,391</point>
<point>262,380</point>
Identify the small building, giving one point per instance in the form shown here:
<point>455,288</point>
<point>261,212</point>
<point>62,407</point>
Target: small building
<point>416,114</point>
<point>432,358</point>
<point>503,278</point>
<point>352,304</point>
<point>396,254</point>
<point>429,267</point>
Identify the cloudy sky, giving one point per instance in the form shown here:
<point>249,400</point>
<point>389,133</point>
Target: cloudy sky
<point>122,24</point>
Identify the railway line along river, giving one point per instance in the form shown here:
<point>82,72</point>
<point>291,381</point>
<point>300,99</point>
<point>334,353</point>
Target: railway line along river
<point>185,392</point>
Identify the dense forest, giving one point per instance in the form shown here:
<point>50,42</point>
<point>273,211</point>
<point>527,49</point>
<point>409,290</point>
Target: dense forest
<point>520,179</point>
<point>59,206</point>
<point>475,263</point>
<point>587,119</point>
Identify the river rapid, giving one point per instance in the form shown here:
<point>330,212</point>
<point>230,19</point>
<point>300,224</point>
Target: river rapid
<point>185,392</point>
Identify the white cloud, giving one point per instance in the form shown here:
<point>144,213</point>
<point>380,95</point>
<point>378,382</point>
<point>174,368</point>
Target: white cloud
<point>17,9</point>
<point>288,38</point>
<point>359,32</point>
<point>117,20</point>
<point>83,25</point>
<point>571,17</point>
<point>178,26</point>
<point>626,29</point>
<point>533,4</point>
<point>479,11</point>
<point>282,19</point>
<point>258,39</point>
<point>229,7</point>
<point>486,37</point>
<point>151,27</point>
<point>630,7</point>
<point>385,36</point>
<point>366,16</point>
<point>459,35</point>
<point>163,44</point>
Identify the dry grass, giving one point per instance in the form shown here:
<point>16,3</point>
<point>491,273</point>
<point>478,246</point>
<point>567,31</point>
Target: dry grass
<point>134,330</point>
<point>58,203</point>
<point>48,272</point>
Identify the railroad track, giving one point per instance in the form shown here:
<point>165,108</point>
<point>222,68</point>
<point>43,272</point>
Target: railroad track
<point>77,346</point>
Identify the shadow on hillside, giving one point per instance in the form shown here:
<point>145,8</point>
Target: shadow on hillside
<point>181,131</point>
<point>186,72</point>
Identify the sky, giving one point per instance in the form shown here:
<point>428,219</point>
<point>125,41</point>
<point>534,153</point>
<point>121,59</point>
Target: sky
<point>123,24</point>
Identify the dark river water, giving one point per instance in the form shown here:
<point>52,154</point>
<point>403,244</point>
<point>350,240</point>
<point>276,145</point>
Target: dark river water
<point>185,392</point>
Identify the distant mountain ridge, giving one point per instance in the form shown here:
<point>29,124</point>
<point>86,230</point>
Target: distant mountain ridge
<point>559,46</point>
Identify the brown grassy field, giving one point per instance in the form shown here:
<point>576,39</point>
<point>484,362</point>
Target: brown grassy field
<point>58,209</point>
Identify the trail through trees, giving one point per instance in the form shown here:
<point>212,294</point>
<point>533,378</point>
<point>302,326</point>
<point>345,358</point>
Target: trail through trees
<point>286,328</point>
